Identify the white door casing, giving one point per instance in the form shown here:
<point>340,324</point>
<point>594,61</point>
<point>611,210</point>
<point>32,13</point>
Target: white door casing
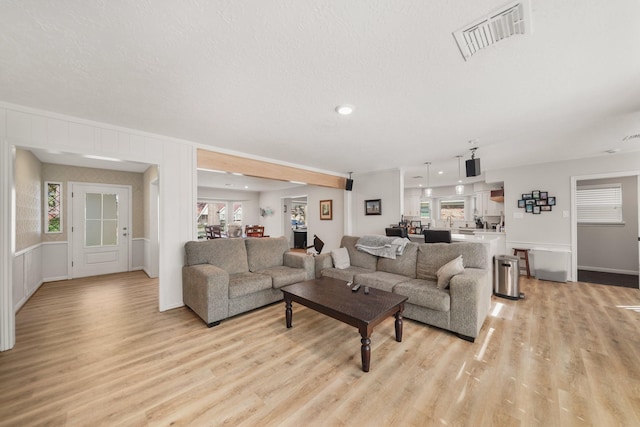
<point>100,229</point>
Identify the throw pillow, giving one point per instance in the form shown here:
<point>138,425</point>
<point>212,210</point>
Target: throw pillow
<point>341,258</point>
<point>447,271</point>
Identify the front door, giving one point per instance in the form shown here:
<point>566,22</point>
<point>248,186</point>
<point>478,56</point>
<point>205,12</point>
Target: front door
<point>100,229</point>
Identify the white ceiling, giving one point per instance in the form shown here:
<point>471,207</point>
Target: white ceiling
<point>264,78</point>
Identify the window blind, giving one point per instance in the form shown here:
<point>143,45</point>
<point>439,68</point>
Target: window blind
<point>599,203</point>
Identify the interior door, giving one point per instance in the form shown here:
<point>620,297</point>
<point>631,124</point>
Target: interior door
<point>100,229</point>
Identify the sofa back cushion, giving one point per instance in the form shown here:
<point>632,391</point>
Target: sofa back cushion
<point>404,264</point>
<point>432,256</point>
<point>357,258</point>
<point>265,252</point>
<point>227,254</point>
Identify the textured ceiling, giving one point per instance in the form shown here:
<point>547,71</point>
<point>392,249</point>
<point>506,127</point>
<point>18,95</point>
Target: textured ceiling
<point>264,77</point>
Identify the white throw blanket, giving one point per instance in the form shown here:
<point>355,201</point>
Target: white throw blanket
<point>384,246</point>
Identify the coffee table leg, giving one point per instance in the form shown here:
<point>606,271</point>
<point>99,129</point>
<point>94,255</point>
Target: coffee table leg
<point>288,312</point>
<point>399,324</point>
<point>365,350</point>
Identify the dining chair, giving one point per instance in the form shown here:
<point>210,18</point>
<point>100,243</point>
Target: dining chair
<point>254,231</point>
<point>213,231</point>
<point>437,236</point>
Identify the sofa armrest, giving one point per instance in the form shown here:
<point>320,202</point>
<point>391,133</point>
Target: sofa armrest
<point>299,260</point>
<point>205,289</point>
<point>470,301</point>
<point>322,261</point>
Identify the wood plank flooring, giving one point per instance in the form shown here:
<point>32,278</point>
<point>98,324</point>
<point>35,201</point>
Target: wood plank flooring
<point>96,351</point>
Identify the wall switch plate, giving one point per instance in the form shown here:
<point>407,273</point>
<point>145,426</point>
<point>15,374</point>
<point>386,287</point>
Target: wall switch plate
<point>565,214</point>
<point>517,215</point>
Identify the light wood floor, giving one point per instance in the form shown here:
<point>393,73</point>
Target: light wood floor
<point>96,351</point>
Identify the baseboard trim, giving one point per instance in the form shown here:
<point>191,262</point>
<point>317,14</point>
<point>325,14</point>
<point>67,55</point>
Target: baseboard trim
<point>28,296</point>
<point>55,279</point>
<point>607,270</point>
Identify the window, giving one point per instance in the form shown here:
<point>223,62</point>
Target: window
<point>216,213</point>
<point>101,219</point>
<point>599,204</point>
<point>452,208</point>
<point>425,210</point>
<point>53,207</point>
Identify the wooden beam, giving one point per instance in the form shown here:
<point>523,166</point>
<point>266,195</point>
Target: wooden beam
<point>260,169</point>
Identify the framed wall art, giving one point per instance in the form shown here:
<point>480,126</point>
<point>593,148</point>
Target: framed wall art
<point>373,207</point>
<point>326,210</point>
<point>537,202</point>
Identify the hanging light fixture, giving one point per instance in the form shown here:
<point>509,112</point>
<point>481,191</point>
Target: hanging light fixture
<point>428,191</point>
<point>459,187</point>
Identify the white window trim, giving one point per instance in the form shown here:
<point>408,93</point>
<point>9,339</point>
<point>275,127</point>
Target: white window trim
<point>46,207</point>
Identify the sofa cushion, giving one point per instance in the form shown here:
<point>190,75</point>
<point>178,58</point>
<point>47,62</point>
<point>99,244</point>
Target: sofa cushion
<point>227,254</point>
<point>242,284</point>
<point>345,274</point>
<point>265,252</point>
<point>356,257</point>
<point>404,264</point>
<point>283,276</point>
<point>424,293</point>
<point>340,258</point>
<point>447,271</point>
<point>379,280</point>
<point>432,256</point>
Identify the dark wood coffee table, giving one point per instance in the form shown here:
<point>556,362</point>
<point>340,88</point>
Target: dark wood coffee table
<point>334,298</point>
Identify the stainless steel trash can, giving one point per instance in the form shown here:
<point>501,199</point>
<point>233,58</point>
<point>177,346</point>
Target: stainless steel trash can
<point>506,276</point>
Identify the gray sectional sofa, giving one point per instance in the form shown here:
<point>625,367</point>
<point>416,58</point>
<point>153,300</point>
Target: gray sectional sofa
<point>225,277</point>
<point>462,308</point>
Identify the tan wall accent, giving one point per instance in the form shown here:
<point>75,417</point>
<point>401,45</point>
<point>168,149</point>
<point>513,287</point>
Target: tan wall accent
<point>28,200</point>
<point>64,174</point>
<point>150,175</point>
<point>257,168</point>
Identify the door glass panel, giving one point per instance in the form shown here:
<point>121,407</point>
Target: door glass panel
<point>109,232</point>
<point>94,206</point>
<point>93,231</point>
<point>101,219</point>
<point>110,210</point>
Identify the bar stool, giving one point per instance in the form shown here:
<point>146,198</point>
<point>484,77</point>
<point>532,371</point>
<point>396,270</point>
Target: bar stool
<point>523,268</point>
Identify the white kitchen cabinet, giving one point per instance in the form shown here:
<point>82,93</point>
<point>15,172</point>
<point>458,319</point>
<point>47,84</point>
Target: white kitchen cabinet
<point>487,207</point>
<point>412,205</point>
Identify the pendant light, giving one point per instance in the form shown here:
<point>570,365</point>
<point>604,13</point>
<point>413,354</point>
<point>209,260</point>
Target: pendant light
<point>428,191</point>
<point>459,187</point>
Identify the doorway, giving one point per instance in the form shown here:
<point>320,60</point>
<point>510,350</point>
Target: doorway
<point>100,224</point>
<point>605,224</point>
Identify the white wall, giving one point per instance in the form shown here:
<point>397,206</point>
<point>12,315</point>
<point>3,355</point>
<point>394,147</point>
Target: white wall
<point>384,185</point>
<point>551,229</point>
<point>176,160</point>
<point>612,248</point>
<point>27,277</point>
<point>329,231</point>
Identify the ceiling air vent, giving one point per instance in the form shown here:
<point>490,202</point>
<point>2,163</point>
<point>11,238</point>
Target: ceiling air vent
<point>507,21</point>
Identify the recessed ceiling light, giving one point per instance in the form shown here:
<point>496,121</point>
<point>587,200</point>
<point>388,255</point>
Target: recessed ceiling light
<point>440,172</point>
<point>345,109</point>
<point>246,186</point>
